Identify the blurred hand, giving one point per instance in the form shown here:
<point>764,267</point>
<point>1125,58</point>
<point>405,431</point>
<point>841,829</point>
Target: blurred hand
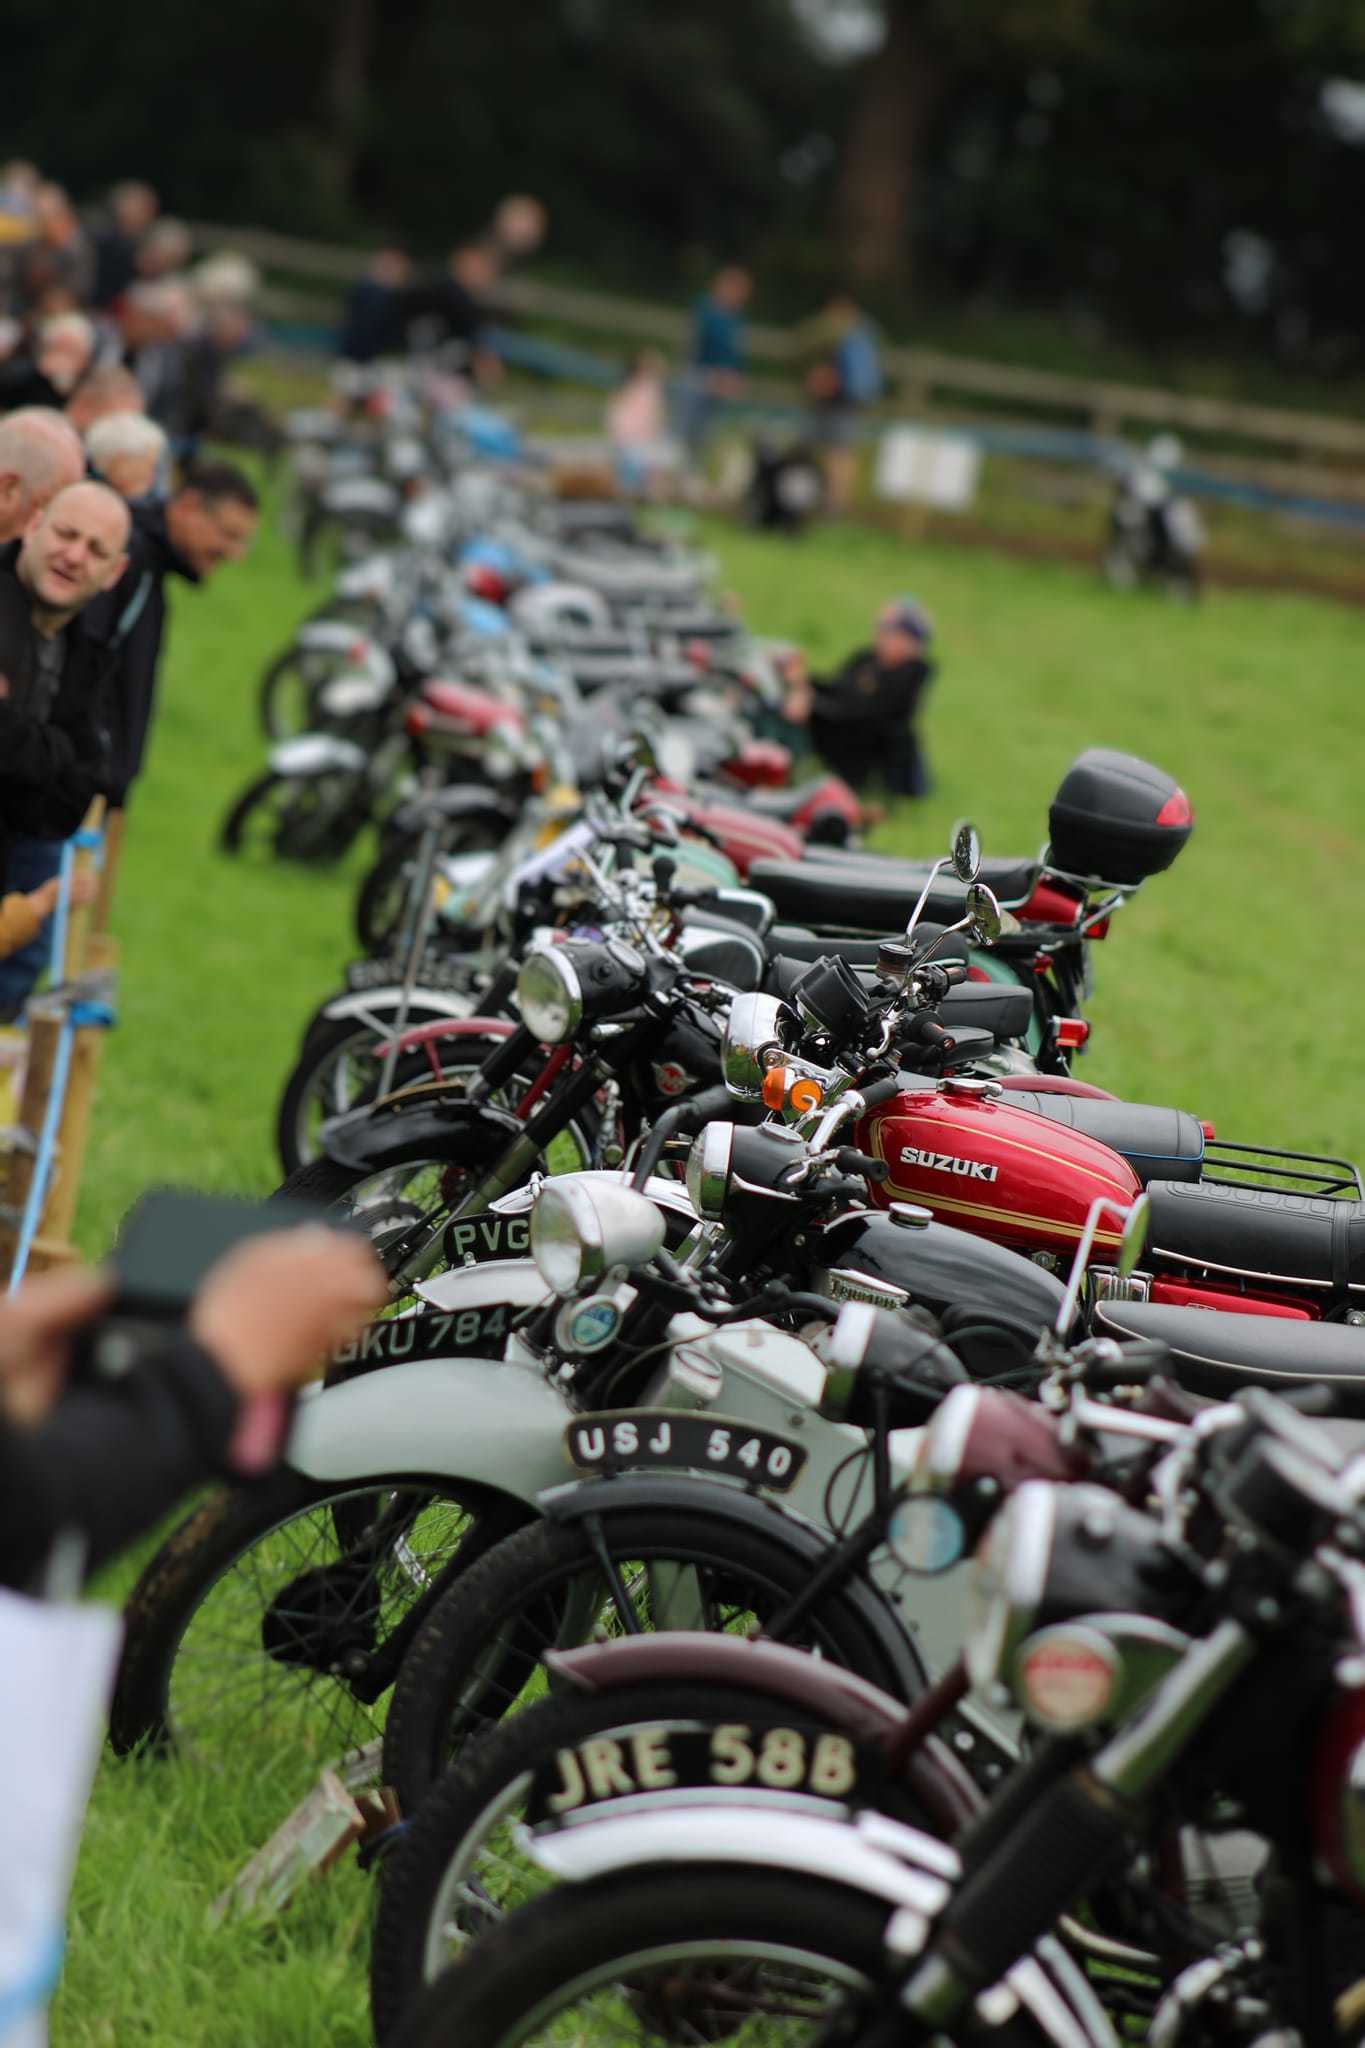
<point>276,1306</point>
<point>36,1328</point>
<point>85,885</point>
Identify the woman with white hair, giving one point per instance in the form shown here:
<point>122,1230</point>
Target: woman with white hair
<point>128,450</point>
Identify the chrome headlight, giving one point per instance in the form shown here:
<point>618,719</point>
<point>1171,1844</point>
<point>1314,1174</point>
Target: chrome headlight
<point>708,1170</point>
<point>579,1231</point>
<point>1007,1580</point>
<point>754,1041</point>
<point>549,995</point>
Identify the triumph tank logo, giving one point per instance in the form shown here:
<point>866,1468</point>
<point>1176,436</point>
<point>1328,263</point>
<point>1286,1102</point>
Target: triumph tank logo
<point>944,1162</point>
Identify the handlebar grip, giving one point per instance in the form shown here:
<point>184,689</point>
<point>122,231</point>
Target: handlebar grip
<point>954,971</point>
<point>931,1032</point>
<point>1142,1358</point>
<point>881,1091</point>
<point>850,1160</point>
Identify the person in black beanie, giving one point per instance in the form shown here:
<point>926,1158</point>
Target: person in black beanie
<point>862,718</point>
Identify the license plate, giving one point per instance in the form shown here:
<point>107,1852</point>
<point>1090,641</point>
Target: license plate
<point>469,1240</point>
<point>441,1333</point>
<point>617,1439</point>
<point>745,1756</point>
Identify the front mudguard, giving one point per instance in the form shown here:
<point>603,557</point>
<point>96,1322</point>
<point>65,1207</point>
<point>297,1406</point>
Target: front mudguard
<point>402,1129</point>
<point>909,1871</point>
<point>475,1419</point>
<point>812,1687</point>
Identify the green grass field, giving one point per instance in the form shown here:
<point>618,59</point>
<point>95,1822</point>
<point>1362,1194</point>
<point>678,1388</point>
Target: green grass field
<point>1232,987</point>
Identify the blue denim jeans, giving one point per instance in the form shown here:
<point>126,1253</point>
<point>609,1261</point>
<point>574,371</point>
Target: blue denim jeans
<point>31,863</point>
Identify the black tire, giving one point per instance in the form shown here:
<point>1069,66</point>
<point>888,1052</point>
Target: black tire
<point>382,899</point>
<point>457,1868</point>
<point>333,1057</point>
<point>304,818</point>
<point>289,690</point>
<point>476,1657</point>
<point>257,1593</point>
<point>680,1955</point>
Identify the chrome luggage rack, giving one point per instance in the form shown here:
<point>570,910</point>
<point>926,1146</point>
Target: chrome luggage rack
<point>1230,1165</point>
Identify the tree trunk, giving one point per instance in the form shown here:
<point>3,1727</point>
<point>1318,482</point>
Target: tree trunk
<point>886,139</point>
<point>344,89</point>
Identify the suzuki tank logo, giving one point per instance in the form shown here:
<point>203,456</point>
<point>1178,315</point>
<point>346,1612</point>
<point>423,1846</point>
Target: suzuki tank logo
<point>944,1162</point>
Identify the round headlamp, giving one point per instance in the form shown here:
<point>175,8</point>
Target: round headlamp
<point>708,1170</point>
<point>549,995</point>
<point>581,1229</point>
<point>755,1037</point>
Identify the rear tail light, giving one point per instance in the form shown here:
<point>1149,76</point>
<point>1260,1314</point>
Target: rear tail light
<point>1208,1130</point>
<point>1176,810</point>
<point>1066,1677</point>
<point>1099,930</point>
<point>1070,1033</point>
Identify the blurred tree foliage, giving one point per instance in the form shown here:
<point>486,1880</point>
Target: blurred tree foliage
<point>1148,165</point>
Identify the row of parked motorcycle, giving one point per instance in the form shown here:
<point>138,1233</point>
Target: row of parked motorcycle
<point>846,1530</point>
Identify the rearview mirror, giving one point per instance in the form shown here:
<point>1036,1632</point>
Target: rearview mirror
<point>983,914</point>
<point>966,852</point>
<point>1134,1240</point>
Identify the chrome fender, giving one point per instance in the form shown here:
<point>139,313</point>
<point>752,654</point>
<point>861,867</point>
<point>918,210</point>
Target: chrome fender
<point>370,1005</point>
<point>514,1281</point>
<point>329,636</point>
<point>316,753</point>
<point>909,1870</point>
<point>465,1418</point>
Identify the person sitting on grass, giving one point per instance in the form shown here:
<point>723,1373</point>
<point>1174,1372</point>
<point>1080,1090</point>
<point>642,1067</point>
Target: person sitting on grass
<point>861,719</point>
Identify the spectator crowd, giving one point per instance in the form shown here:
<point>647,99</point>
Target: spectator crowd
<point>115,347</point>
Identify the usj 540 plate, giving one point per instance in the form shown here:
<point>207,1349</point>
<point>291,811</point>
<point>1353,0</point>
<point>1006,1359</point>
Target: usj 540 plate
<point>442,1333</point>
<point>620,1438</point>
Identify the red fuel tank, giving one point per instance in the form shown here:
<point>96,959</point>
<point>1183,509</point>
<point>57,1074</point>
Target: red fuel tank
<point>1001,1172</point>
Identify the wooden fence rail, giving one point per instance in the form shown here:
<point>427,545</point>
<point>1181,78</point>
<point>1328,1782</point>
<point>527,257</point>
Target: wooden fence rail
<point>927,377</point>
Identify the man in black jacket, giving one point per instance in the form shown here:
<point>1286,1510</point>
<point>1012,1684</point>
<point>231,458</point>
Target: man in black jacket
<point>210,520</point>
<point>53,749</point>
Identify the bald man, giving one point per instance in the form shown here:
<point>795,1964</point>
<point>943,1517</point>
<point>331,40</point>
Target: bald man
<point>54,748</point>
<point>40,454</point>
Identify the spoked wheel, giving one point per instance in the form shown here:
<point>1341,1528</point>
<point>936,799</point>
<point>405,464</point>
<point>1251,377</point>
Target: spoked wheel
<point>462,1863</point>
<point>478,1655</point>
<point>760,1958</point>
<point>290,688</point>
<point>291,817</point>
<point>264,1635</point>
<point>382,902</point>
<point>341,1067</point>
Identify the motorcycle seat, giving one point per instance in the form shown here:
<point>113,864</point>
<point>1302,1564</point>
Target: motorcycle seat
<point>849,897</point>
<point>1218,1355</point>
<point>777,803</point>
<point>1260,1234</point>
<point>1011,881</point>
<point>793,942</point>
<point>1158,1143</point>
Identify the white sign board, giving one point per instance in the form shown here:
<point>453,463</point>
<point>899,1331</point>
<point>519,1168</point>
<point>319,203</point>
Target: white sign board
<point>921,468</point>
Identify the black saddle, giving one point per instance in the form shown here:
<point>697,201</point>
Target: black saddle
<point>853,896</point>
<point>1219,1355</point>
<point>1260,1234</point>
<point>794,942</point>
<point>1011,881</point>
<point>1165,1144</point>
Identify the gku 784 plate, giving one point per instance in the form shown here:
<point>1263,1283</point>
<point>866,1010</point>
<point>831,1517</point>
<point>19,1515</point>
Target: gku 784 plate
<point>437,1333</point>
<point>618,1438</point>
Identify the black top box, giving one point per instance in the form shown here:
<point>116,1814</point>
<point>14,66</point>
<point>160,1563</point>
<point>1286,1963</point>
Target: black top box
<point>1116,819</point>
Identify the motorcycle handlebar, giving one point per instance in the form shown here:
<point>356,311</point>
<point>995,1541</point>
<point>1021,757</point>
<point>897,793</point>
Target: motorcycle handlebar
<point>850,1161</point>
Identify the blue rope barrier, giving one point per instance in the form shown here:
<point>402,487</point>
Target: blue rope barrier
<point>82,1012</point>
